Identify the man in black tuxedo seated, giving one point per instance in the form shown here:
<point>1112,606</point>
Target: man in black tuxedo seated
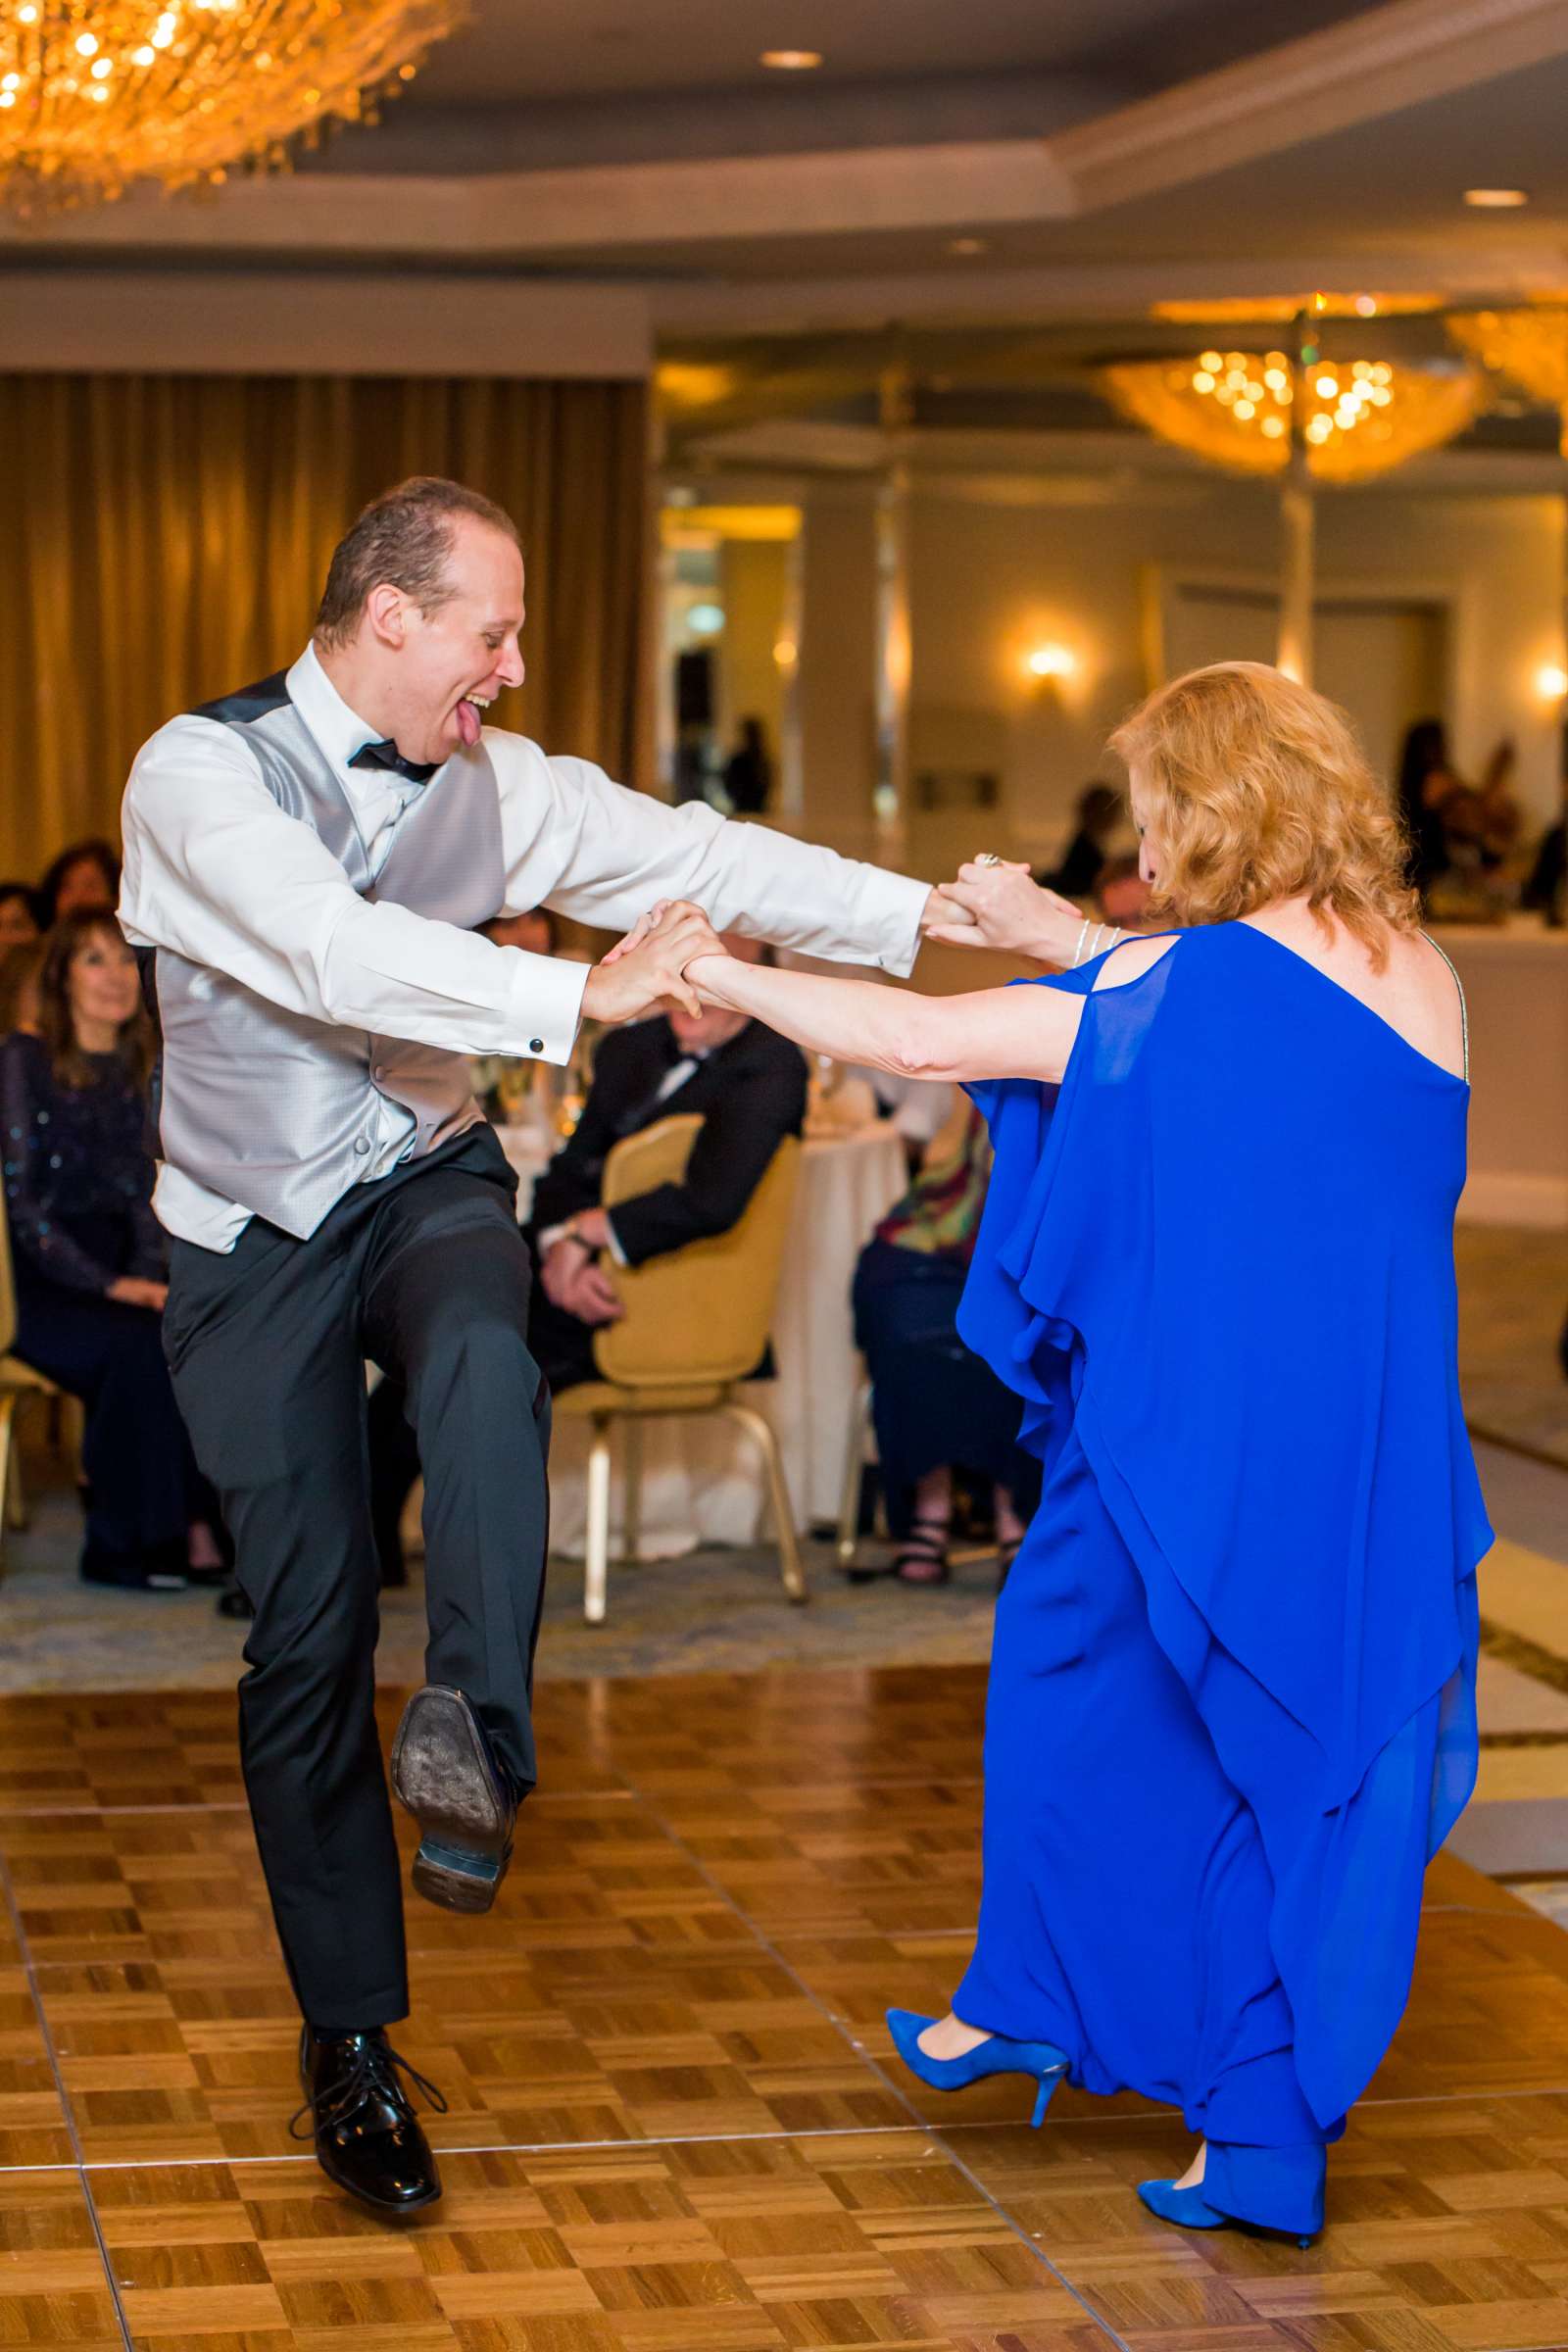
<point>749,1086</point>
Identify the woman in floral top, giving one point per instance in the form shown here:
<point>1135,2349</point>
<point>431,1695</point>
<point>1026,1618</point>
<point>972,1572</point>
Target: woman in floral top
<point>936,1406</point>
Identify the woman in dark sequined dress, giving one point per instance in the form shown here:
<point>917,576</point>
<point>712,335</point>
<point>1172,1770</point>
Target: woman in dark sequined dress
<point>88,1254</point>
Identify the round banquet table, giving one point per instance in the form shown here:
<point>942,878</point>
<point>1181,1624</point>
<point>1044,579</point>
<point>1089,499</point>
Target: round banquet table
<point>702,1480</point>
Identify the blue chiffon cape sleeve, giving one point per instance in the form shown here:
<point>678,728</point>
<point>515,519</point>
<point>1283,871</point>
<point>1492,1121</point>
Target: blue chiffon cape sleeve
<point>1222,1253</point>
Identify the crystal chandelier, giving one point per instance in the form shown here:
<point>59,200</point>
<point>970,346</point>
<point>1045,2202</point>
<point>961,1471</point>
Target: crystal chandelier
<point>96,94</point>
<point>1356,419</point>
<point>1529,346</point>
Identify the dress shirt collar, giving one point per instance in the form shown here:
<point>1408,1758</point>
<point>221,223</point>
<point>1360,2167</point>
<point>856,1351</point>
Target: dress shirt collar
<point>339,731</point>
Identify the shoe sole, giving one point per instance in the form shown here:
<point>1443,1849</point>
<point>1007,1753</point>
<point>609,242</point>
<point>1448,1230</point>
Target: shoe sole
<point>441,1773</point>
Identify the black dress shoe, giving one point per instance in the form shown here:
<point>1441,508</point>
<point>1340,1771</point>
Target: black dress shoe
<point>446,1772</point>
<point>367,2136</point>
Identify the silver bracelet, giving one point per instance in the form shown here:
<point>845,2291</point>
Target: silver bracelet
<point>1078,952</point>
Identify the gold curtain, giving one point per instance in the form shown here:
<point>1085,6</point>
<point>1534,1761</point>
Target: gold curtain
<point>166,538</point>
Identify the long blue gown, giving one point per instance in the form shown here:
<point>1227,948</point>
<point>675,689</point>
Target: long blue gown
<point>1232,1710</point>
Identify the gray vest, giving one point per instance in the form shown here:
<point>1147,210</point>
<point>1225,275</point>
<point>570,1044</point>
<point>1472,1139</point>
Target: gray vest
<point>270,1109</point>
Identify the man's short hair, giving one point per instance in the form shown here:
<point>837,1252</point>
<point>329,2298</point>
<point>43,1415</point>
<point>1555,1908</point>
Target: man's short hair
<point>404,537</point>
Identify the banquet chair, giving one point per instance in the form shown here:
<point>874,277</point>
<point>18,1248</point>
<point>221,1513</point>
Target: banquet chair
<point>856,1455</point>
<point>695,1324</point>
<point>18,1385</point>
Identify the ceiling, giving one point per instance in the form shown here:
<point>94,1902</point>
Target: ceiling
<point>1086,158</point>
<point>521,51</point>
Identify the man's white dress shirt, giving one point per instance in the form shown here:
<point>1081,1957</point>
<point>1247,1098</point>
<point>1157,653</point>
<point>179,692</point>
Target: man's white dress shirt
<point>216,872</point>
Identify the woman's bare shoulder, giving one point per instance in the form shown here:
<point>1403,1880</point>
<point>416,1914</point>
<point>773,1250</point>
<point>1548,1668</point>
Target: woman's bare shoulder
<point>1131,960</point>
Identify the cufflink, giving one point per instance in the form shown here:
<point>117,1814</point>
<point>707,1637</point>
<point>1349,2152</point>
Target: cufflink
<point>536,1045</point>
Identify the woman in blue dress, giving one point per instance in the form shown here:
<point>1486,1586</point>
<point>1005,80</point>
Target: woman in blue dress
<point>1232,1697</point>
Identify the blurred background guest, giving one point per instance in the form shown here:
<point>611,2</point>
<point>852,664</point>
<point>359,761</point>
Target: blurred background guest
<point>1546,890</point>
<point>1448,821</point>
<point>509,1086</point>
<point>535,931</point>
<point>85,875</point>
<point>89,1257</point>
<point>20,968</point>
<point>749,770</point>
<point>1121,895</point>
<point>748,1086</point>
<point>926,1386</point>
<point>1097,811</point>
<point>19,915</point>
<point>916,1107</point>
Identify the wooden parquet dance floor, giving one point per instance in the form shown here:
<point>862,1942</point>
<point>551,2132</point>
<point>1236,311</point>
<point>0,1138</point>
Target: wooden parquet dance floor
<point>675,2121</point>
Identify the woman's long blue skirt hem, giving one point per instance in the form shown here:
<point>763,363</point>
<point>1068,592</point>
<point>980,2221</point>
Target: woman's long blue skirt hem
<point>1272,2188</point>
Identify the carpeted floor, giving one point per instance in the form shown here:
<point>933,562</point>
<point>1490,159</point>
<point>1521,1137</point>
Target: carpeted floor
<point>716,1612</point>
<point>712,1613</point>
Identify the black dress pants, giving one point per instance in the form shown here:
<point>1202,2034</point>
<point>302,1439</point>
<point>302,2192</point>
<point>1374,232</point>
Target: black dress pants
<point>561,1345</point>
<point>426,1272</point>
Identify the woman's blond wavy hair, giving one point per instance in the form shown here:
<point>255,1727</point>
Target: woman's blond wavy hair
<point>1257,790</point>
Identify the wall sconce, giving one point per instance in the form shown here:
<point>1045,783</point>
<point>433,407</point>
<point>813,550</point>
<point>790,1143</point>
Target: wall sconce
<point>1052,663</point>
<point>1050,670</point>
<point>1551,682</point>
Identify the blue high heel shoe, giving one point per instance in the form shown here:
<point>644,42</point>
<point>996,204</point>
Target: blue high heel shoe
<point>1042,2061</point>
<point>1190,2208</point>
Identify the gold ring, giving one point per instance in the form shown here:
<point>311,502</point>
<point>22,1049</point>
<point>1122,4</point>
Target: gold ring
<point>988,857</point>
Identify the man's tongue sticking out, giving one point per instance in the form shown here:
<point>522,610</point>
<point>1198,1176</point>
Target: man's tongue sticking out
<point>467,722</point>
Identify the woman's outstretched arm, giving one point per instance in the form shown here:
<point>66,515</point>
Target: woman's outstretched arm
<point>992,1033</point>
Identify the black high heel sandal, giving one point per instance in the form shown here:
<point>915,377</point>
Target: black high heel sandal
<point>923,1553</point>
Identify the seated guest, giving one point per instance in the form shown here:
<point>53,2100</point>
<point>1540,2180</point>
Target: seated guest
<point>749,1087</point>
<point>535,931</point>
<point>936,1406</point>
<point>1121,895</point>
<point>1546,889</point>
<point>20,968</point>
<point>504,1082</point>
<point>1446,820</point>
<point>1097,811</point>
<point>84,875</point>
<point>90,1257</point>
<point>18,915</point>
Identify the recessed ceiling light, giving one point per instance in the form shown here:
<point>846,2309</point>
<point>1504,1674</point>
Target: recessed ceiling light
<point>1496,200</point>
<point>967,245</point>
<point>792,61</point>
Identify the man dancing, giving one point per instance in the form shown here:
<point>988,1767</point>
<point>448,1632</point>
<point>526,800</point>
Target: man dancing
<point>306,861</point>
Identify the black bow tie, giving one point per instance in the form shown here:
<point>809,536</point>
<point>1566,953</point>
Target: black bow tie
<point>387,755</point>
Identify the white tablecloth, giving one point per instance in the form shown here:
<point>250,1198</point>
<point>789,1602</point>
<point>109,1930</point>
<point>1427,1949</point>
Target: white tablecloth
<point>702,1482</point>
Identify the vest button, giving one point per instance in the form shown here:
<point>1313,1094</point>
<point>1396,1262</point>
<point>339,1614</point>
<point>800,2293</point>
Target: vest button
<point>536,1045</point>
<point>362,1145</point>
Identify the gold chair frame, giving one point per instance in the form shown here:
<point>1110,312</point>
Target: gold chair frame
<point>695,1324</point>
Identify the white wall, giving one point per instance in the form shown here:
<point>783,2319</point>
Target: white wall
<point>1000,565</point>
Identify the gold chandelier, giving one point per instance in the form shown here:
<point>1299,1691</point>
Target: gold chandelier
<point>1529,346</point>
<point>1356,419</point>
<point>95,94</point>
